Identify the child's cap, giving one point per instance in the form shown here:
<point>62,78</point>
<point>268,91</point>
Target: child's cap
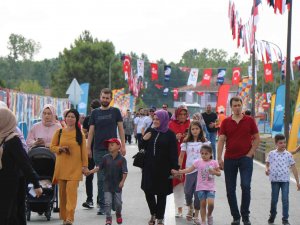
<point>112,140</point>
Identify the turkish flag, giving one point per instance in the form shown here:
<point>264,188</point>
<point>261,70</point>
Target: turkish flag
<point>127,67</point>
<point>154,71</point>
<point>175,93</point>
<point>206,77</point>
<point>158,86</point>
<point>200,93</point>
<point>268,72</point>
<point>297,61</point>
<point>236,75</point>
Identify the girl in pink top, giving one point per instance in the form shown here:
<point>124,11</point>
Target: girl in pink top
<point>42,132</point>
<point>207,168</point>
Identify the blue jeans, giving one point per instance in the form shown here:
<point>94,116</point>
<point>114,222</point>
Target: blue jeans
<point>276,186</point>
<point>212,138</point>
<point>98,155</point>
<point>231,168</point>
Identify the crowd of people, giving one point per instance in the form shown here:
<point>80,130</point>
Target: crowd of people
<point>181,157</point>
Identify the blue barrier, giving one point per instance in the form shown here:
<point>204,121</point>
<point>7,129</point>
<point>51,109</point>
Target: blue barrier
<point>23,127</point>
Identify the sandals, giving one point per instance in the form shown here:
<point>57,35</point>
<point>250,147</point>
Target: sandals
<point>189,215</point>
<point>152,220</point>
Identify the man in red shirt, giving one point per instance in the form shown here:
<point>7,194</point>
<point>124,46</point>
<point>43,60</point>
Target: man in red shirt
<point>241,136</point>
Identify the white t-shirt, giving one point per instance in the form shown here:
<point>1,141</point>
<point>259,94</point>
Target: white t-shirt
<point>192,150</point>
<point>139,121</point>
<point>280,164</point>
<point>147,122</point>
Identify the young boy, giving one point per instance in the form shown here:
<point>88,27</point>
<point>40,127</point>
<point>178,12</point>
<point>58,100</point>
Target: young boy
<point>114,166</point>
<point>278,164</point>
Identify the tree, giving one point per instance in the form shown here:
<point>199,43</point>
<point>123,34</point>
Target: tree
<point>2,84</point>
<point>88,60</point>
<point>31,87</point>
<point>19,46</point>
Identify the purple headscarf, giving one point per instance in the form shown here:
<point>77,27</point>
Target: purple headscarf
<point>163,117</point>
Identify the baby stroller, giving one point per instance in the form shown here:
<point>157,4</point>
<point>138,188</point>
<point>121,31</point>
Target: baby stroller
<point>43,162</point>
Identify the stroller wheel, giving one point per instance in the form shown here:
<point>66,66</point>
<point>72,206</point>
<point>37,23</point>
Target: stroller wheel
<point>48,215</point>
<point>28,214</point>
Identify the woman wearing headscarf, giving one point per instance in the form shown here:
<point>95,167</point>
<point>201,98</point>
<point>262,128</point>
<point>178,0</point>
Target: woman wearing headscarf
<point>198,117</point>
<point>13,160</point>
<point>42,132</point>
<point>160,158</point>
<point>71,161</point>
<point>179,124</point>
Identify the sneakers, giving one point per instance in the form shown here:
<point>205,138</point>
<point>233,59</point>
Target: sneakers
<point>88,205</point>
<point>285,222</point>
<point>100,211</point>
<point>236,222</point>
<point>119,218</point>
<point>108,222</point>
<point>152,220</point>
<point>210,220</point>
<point>271,219</point>
<point>160,222</point>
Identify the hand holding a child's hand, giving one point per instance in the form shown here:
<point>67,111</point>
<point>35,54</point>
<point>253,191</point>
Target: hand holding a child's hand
<point>174,172</point>
<point>85,171</point>
<point>267,172</point>
<point>298,187</point>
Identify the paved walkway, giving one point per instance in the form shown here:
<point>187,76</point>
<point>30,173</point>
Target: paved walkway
<point>135,210</point>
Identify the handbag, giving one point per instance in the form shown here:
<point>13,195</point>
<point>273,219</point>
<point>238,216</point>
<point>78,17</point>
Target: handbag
<point>139,158</point>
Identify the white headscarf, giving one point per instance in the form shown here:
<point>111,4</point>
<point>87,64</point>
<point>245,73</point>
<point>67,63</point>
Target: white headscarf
<point>8,125</point>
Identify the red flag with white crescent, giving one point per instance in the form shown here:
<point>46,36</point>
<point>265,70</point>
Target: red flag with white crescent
<point>154,71</point>
<point>268,72</point>
<point>222,98</point>
<point>236,75</point>
<point>206,77</point>
<point>297,61</point>
<point>175,93</point>
<point>127,67</point>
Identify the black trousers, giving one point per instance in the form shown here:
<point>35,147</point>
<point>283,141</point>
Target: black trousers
<point>89,181</point>
<point>156,204</point>
<point>128,138</point>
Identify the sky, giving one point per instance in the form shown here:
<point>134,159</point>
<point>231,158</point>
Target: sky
<point>159,28</point>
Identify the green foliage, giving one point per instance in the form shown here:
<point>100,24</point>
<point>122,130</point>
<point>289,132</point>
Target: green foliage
<point>31,86</point>
<point>20,47</point>
<point>88,60</point>
<point>2,83</point>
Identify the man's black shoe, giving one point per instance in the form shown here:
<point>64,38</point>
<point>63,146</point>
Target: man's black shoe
<point>247,222</point>
<point>285,222</point>
<point>271,219</point>
<point>100,211</point>
<point>88,205</point>
<point>236,222</point>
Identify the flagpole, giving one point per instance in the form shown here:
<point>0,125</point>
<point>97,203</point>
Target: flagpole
<point>253,70</point>
<point>288,75</point>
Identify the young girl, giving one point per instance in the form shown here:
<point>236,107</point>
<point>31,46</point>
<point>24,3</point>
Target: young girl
<point>207,168</point>
<point>191,147</point>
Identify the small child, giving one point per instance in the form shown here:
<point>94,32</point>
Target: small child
<point>114,166</point>
<point>278,163</point>
<point>207,168</point>
<point>191,146</point>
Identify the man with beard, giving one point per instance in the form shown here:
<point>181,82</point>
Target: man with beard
<point>104,122</point>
